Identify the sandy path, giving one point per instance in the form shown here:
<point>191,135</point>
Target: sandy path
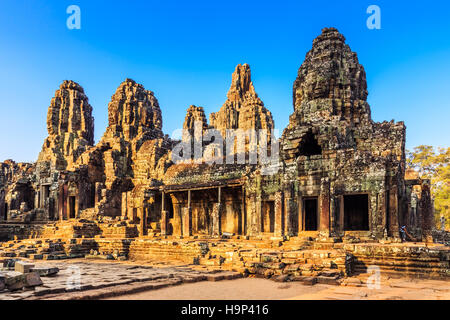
<point>262,289</point>
<point>240,289</point>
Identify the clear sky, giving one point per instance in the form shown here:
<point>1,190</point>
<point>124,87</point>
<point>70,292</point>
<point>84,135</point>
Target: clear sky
<point>185,53</point>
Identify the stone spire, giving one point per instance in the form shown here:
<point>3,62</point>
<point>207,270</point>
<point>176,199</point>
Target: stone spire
<point>243,108</point>
<point>331,71</point>
<point>194,114</point>
<point>70,126</point>
<point>133,111</point>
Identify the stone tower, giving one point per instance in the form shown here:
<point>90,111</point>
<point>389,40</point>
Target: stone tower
<point>70,126</point>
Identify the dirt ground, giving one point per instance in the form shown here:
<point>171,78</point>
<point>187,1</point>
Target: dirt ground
<point>262,289</point>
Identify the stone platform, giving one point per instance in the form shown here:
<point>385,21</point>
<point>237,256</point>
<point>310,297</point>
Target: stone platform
<point>85,277</point>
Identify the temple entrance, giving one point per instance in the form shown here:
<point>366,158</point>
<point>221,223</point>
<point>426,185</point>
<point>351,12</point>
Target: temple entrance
<point>310,212</point>
<point>71,207</point>
<point>356,212</point>
<point>5,214</point>
<point>91,200</point>
<point>268,221</point>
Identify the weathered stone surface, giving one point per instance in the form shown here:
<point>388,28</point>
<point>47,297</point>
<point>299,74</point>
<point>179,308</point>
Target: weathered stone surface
<point>23,267</point>
<point>243,108</point>
<point>45,271</point>
<point>70,126</point>
<point>134,111</point>
<point>17,280</point>
<point>195,114</point>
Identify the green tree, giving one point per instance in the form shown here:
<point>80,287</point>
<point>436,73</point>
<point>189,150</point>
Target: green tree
<point>434,166</point>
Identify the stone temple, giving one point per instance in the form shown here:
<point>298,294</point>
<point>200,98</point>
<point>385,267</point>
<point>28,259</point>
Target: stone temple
<point>340,177</point>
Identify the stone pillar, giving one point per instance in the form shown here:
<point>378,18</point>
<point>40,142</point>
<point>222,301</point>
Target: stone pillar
<point>140,214</point>
<point>36,200</point>
<point>60,202</point>
<point>77,206</point>
<point>258,217</point>
<point>301,226</point>
<point>42,198</point>
<point>164,222</point>
<point>279,221</point>
<point>187,222</point>
<point>189,199</point>
<point>393,212</point>
<point>426,207</point>
<point>124,204</point>
<point>324,198</point>
<point>244,213</point>
<point>216,230</point>
<point>287,213</point>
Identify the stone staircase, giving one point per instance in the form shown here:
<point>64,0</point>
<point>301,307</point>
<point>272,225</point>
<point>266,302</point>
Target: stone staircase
<point>414,260</point>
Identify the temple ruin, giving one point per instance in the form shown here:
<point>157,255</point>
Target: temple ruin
<point>340,177</point>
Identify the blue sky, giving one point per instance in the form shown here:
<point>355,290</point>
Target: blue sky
<point>186,51</point>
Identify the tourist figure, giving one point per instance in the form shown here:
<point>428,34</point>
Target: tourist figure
<point>403,233</point>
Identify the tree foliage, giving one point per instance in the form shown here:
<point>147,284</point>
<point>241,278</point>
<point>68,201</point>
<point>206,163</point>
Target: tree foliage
<point>434,166</point>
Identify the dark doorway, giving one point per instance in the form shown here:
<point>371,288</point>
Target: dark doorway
<point>71,207</point>
<point>310,214</point>
<point>268,223</point>
<point>6,212</point>
<point>91,201</point>
<point>309,145</point>
<point>356,212</point>
<point>169,206</point>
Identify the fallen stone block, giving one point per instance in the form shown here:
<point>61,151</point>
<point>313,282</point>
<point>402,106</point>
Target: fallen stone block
<point>46,271</point>
<point>281,278</point>
<point>328,280</point>
<point>352,282</point>
<point>309,281</point>
<point>23,267</point>
<point>16,280</point>
<point>215,277</point>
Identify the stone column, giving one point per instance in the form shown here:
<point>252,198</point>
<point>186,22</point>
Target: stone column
<point>259,212</point>
<point>36,200</point>
<point>187,222</point>
<point>244,213</point>
<point>301,227</point>
<point>288,212</point>
<point>324,198</point>
<point>141,215</point>
<point>393,212</point>
<point>341,214</point>
<point>164,222</point>
<point>124,204</point>
<point>216,230</point>
<point>42,199</point>
<point>426,208</point>
<point>279,221</point>
<point>77,206</point>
